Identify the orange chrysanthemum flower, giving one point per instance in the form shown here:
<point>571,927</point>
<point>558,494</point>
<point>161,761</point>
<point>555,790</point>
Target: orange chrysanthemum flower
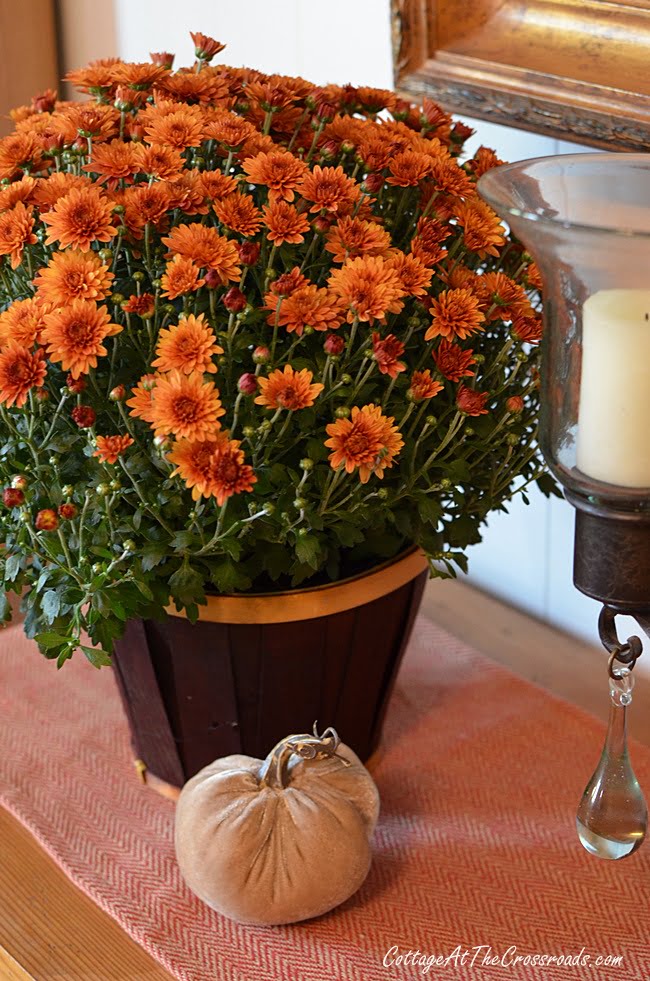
<point>137,76</point>
<point>83,216</point>
<point>143,305</point>
<point>73,275</point>
<point>528,329</point>
<point>367,440</point>
<point>113,162</point>
<point>426,245</point>
<point>448,177</point>
<point>502,297</point>
<point>216,185</point>
<point>50,190</point>
<point>179,129</point>
<point>141,402</point>
<point>288,389</point>
<point>423,386</point>
<point>22,190</point>
<point>20,371</point>
<point>455,313</point>
<point>329,189</point>
<point>181,276</point>
<point>453,362</point>
<point>146,205</point>
<point>88,120</point>
<point>185,406</point>
<point>285,224</point>
<point>408,169</point>
<point>415,278</point>
<point>281,172</point>
<point>352,237</point>
<point>533,277</point>
<point>187,346</point>
<point>16,231</point>
<point>75,334</point>
<point>386,352</point>
<point>238,213</point>
<point>308,307</point>
<point>483,232</point>
<point>96,76</point>
<point>186,193</point>
<point>228,129</point>
<point>368,287</point>
<point>470,402</point>
<point>483,160</point>
<point>204,246</point>
<point>19,152</point>
<point>109,448</point>
<point>212,468</point>
<point>23,323</point>
<point>164,163</point>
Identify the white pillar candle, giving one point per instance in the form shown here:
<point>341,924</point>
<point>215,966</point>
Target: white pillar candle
<point>613,443</point>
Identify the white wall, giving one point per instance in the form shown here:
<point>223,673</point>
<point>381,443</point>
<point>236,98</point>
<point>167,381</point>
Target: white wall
<point>526,556</point>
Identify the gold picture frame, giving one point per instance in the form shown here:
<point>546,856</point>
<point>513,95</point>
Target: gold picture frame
<point>571,69</point>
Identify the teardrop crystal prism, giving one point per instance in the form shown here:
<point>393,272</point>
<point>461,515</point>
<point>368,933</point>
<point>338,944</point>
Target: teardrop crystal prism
<point>612,817</point>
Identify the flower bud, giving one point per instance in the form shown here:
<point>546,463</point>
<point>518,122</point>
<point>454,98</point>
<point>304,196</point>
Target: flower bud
<point>342,412</point>
<point>249,431</point>
<point>234,300</point>
<point>333,344</point>
<point>129,545</point>
<point>20,482</point>
<point>84,416</point>
<point>212,279</point>
<point>162,58</point>
<point>115,485</point>
<point>103,490</point>
<point>247,384</point>
<point>12,497</point>
<point>261,355</point>
<point>346,379</point>
<point>307,464</point>
<point>75,385</point>
<point>382,493</point>
<point>46,520</point>
<point>300,503</point>
<point>67,490</point>
<point>372,183</point>
<point>67,511</point>
<point>117,394</point>
<point>322,224</point>
<point>42,395</point>
<point>515,403</point>
<point>249,253</point>
<point>96,568</point>
<point>269,507</point>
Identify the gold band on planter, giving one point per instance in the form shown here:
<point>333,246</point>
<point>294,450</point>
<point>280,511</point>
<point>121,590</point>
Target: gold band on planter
<point>308,604</point>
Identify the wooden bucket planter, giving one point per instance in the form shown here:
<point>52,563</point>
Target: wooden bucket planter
<point>258,667</point>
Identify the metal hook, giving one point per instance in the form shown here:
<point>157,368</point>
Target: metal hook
<point>627,653</point>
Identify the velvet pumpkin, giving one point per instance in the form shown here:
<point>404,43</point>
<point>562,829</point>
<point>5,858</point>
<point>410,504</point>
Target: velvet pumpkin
<point>279,840</point>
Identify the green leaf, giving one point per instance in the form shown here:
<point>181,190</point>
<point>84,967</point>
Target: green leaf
<point>308,551</point>
<point>63,656</point>
<point>12,567</point>
<point>186,585</point>
<point>97,657</point>
<point>152,555</point>
<point>228,578</point>
<point>5,607</point>
<point>49,639</point>
<point>144,589</point>
<point>430,509</point>
<point>347,534</point>
<point>51,605</point>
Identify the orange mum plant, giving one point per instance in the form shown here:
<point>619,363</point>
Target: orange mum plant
<point>255,333</point>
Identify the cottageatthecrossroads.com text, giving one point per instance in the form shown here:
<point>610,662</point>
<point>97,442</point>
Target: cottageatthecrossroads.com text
<point>484,955</point>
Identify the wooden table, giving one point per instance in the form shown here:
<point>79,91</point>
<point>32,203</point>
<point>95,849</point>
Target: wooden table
<point>50,930</point>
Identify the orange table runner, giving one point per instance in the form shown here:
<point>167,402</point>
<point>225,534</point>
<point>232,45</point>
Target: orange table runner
<point>476,858</point>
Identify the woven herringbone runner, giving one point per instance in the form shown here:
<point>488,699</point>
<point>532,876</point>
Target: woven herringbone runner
<point>475,848</point>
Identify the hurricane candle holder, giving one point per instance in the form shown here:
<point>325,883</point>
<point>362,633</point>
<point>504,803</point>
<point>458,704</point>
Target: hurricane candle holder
<point>585,219</point>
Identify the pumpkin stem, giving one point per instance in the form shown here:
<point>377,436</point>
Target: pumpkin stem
<point>274,771</point>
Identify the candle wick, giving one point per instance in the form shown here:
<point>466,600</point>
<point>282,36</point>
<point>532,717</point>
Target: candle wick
<point>647,316</point>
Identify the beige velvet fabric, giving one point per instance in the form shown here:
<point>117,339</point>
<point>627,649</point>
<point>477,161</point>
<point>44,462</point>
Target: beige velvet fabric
<point>271,855</point>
